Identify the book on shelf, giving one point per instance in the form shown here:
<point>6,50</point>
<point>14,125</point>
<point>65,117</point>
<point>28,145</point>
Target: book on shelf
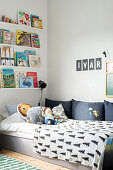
<point>37,23</point>
<point>7,56</point>
<point>8,37</point>
<point>23,38</point>
<point>32,17</point>
<point>1,79</point>
<point>24,18</point>
<point>29,52</point>
<point>34,61</point>
<point>17,75</point>
<point>2,34</point>
<point>26,82</point>
<point>21,59</point>
<point>35,80</point>
<point>8,78</point>
<point>15,59</point>
<point>35,42</point>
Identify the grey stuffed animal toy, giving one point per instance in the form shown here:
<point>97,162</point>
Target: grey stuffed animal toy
<point>34,115</point>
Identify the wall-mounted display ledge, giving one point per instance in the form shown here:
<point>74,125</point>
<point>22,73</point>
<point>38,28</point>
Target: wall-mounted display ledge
<point>18,67</point>
<point>17,46</point>
<point>23,88</point>
<point>18,26</point>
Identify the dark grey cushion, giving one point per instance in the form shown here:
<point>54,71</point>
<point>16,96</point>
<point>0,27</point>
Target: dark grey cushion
<point>67,105</point>
<point>108,111</point>
<point>11,109</point>
<point>88,110</point>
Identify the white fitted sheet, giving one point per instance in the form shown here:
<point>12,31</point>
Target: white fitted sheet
<point>14,125</point>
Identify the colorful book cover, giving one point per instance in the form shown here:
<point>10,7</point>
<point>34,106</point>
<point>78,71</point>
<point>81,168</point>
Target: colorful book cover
<point>26,82</point>
<point>21,59</point>
<point>23,38</point>
<point>35,80</point>
<point>7,56</point>
<point>8,78</point>
<point>29,52</point>
<point>8,37</point>
<point>37,23</point>
<point>17,75</point>
<point>24,18</point>
<point>34,61</point>
<point>2,35</point>
<point>15,60</point>
<point>3,52</point>
<point>35,40</point>
<point>1,79</point>
<point>32,17</point>
<point>26,40</point>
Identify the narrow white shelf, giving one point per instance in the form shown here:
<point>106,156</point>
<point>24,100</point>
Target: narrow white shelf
<point>23,88</point>
<point>6,24</point>
<point>18,67</point>
<point>17,46</point>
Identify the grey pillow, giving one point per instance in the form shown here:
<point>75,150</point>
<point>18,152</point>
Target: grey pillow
<point>11,109</point>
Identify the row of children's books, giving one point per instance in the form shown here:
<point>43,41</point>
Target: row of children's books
<point>18,79</point>
<point>22,38</point>
<point>24,18</point>
<point>28,58</point>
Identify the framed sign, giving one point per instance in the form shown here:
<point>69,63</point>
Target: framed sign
<point>109,79</point>
<point>109,85</point>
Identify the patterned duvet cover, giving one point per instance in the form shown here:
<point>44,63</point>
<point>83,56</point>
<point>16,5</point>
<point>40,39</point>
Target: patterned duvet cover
<point>74,141</point>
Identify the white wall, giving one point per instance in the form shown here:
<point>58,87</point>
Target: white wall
<point>78,29</point>
<point>36,7</point>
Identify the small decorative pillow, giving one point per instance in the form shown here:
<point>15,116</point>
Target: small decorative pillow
<point>59,114</point>
<point>108,111</point>
<point>11,109</point>
<point>88,110</point>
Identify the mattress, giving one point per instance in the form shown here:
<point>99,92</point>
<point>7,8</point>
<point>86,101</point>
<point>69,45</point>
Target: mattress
<point>14,125</point>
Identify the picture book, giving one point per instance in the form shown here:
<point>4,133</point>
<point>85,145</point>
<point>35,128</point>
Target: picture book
<point>24,18</point>
<point>12,62</point>
<point>23,38</point>
<point>26,40</point>
<point>34,61</point>
<point>8,78</point>
<point>7,56</point>
<point>15,60</point>
<point>21,59</point>
<point>29,52</point>
<point>2,35</point>
<point>37,23</point>
<point>34,75</point>
<point>1,79</point>
<point>35,40</point>
<point>8,37</point>
<point>26,82</point>
<point>7,62</point>
<point>3,52</point>
<point>17,75</point>
<point>32,17</point>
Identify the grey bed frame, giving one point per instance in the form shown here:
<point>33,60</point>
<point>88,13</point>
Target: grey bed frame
<point>25,146</point>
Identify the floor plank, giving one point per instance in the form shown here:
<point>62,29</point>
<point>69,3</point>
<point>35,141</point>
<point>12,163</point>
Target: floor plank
<point>32,161</point>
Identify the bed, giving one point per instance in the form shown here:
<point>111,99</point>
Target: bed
<point>19,136</point>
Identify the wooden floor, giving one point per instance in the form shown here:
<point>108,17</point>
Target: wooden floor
<point>32,161</point>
